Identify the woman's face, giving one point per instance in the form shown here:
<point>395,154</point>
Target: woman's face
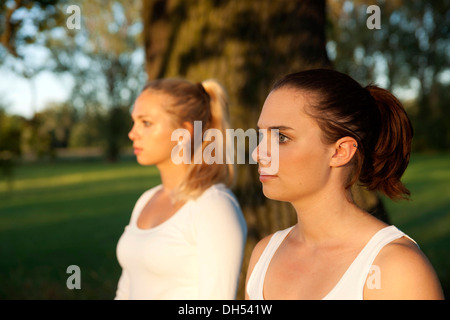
<point>152,129</point>
<point>304,160</point>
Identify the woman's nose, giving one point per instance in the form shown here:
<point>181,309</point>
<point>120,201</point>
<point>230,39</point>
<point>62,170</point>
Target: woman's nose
<point>266,152</point>
<point>255,154</point>
<point>261,154</point>
<point>132,134</point>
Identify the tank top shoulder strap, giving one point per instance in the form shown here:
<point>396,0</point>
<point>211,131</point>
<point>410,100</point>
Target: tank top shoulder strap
<point>256,281</point>
<point>351,285</point>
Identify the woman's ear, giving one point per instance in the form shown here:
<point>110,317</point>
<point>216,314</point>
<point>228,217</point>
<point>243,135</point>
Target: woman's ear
<point>345,149</point>
<point>189,127</point>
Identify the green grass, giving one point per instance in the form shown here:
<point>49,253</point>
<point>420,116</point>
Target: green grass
<point>62,214</point>
<point>426,217</point>
<point>70,213</point>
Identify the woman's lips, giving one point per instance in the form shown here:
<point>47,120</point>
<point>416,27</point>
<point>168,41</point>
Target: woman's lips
<point>137,150</point>
<point>265,176</point>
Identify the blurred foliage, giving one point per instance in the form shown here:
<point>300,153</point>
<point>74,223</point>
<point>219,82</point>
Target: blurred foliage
<point>22,21</point>
<point>10,134</point>
<point>103,57</point>
<point>409,55</point>
<point>107,72</point>
<point>48,130</point>
<point>87,131</point>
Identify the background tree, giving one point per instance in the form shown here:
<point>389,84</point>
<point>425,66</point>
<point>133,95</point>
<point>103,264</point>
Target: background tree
<point>48,130</point>
<point>10,150</point>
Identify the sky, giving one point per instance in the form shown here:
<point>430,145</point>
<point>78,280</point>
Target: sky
<point>16,92</point>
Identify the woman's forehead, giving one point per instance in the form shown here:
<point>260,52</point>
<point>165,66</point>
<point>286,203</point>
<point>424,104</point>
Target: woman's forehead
<point>149,103</point>
<point>283,107</point>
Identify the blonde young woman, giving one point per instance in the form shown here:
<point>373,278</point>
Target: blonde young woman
<point>333,132</point>
<point>186,236</point>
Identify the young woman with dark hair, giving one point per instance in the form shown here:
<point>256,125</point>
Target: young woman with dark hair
<point>332,133</point>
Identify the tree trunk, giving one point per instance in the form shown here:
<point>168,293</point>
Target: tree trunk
<point>246,45</point>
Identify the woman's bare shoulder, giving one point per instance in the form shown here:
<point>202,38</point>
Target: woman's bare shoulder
<point>405,274</point>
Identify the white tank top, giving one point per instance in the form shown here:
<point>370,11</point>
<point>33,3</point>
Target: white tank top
<point>351,284</point>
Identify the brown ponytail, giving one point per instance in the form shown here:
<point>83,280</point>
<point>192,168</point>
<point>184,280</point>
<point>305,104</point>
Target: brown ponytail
<point>371,115</point>
<point>392,150</point>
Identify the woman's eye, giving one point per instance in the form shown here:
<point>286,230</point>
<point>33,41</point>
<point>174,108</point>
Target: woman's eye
<point>282,138</point>
<point>146,123</point>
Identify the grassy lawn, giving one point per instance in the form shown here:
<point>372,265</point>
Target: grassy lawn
<point>73,213</point>
<point>426,217</point>
<point>66,214</point>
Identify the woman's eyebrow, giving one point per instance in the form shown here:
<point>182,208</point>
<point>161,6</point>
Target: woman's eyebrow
<point>277,128</point>
<point>141,116</point>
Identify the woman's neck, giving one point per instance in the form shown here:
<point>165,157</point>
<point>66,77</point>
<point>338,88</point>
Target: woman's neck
<point>327,217</point>
<point>172,175</point>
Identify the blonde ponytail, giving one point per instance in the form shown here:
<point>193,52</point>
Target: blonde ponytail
<point>202,176</point>
<point>206,102</point>
<point>218,104</point>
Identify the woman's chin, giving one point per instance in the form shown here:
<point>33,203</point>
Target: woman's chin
<point>275,193</point>
<point>144,162</point>
<point>270,193</point>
